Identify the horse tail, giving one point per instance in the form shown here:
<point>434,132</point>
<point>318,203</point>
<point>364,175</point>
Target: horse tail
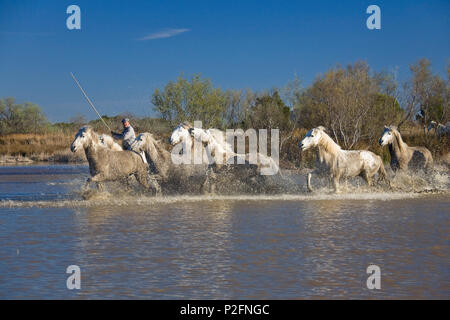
<point>430,159</point>
<point>382,175</point>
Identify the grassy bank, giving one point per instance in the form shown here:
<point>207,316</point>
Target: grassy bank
<point>50,147</point>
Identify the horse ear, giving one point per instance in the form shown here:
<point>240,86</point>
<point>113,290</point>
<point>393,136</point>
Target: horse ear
<point>386,127</point>
<point>322,128</point>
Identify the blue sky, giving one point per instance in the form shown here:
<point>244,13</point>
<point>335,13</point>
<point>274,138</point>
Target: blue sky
<point>126,49</point>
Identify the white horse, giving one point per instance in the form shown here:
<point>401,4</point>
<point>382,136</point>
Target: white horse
<point>402,155</point>
<point>439,129</point>
<point>179,176</point>
<point>339,163</point>
<point>221,153</point>
<point>181,134</point>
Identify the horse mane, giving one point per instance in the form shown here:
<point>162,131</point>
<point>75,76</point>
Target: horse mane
<point>161,150</point>
<point>401,144</point>
<point>328,144</point>
<point>157,144</point>
<point>85,128</point>
<point>92,133</point>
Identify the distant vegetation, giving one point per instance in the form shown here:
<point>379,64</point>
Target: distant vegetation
<point>352,102</point>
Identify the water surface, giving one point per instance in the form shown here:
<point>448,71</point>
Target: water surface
<point>235,247</point>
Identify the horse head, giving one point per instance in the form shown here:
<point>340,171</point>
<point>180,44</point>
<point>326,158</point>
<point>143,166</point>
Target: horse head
<point>83,139</point>
<point>311,138</point>
<point>181,133</point>
<point>433,124</point>
<point>387,137</point>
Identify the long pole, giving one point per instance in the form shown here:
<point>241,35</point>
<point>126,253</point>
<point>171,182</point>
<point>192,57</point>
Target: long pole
<point>89,100</point>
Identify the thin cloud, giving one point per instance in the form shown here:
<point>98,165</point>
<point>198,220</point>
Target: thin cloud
<point>165,33</point>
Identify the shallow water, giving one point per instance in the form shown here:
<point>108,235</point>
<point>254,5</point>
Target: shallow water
<point>217,247</point>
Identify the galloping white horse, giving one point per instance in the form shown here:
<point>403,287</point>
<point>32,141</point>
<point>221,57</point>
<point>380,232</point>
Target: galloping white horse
<point>181,134</point>
<point>222,154</point>
<point>339,163</point>
<point>176,173</point>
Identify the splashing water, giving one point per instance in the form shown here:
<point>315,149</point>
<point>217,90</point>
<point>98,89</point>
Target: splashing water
<point>64,186</point>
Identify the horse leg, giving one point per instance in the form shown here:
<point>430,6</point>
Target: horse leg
<point>212,183</point>
<point>87,184</point>
<point>209,185</point>
<point>99,178</point>
<point>369,181</point>
<point>308,182</point>
<point>100,186</point>
<point>366,178</point>
<point>155,185</point>
<point>336,183</point>
<point>143,179</point>
<point>127,183</point>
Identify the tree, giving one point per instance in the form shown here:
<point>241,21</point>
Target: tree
<point>33,118</point>
<point>425,94</point>
<point>342,101</point>
<point>20,118</point>
<point>270,112</point>
<point>191,100</point>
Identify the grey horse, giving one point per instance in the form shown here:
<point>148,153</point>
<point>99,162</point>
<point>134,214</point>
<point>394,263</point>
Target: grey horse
<point>110,165</point>
<point>173,176</point>
<point>402,155</point>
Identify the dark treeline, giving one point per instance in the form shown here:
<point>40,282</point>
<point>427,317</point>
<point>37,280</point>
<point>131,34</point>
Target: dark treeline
<point>352,102</point>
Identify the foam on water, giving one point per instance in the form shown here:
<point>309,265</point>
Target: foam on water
<point>289,187</point>
<point>109,200</point>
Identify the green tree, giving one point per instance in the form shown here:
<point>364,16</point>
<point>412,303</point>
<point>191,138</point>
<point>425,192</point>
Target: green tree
<point>425,93</point>
<point>191,100</point>
<point>20,118</point>
<point>270,112</point>
<point>352,103</point>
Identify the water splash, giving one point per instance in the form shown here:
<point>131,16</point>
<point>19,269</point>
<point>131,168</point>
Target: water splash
<point>106,199</point>
<point>291,186</point>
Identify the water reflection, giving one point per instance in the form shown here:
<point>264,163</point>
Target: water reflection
<point>219,248</point>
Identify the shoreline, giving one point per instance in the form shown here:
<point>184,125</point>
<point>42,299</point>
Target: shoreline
<point>57,158</point>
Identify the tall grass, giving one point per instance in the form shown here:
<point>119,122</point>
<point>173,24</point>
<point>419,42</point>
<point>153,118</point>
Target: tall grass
<point>40,147</point>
